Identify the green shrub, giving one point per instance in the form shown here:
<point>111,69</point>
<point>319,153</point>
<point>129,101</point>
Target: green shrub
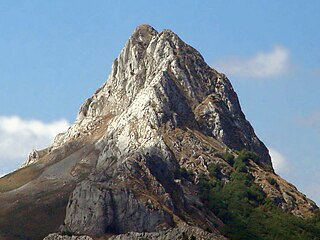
<point>239,165</point>
<point>214,170</point>
<point>245,155</point>
<point>242,160</point>
<point>228,157</point>
<point>185,236</point>
<point>184,173</point>
<point>67,233</point>
<point>272,181</point>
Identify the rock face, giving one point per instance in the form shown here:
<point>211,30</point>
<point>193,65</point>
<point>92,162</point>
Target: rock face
<point>157,84</point>
<point>162,109</point>
<point>182,232</point>
<point>94,211</point>
<point>156,80</point>
<point>33,157</point>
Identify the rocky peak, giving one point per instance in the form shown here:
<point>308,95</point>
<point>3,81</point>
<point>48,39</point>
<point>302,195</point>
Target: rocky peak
<point>142,35</point>
<point>158,78</point>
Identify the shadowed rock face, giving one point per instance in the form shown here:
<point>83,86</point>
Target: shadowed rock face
<point>162,108</point>
<point>97,211</point>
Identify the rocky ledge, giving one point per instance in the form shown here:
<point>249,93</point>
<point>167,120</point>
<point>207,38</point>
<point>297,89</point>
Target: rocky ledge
<point>184,232</point>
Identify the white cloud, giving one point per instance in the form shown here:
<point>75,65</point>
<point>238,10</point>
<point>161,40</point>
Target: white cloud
<point>19,136</point>
<point>279,162</point>
<point>262,65</point>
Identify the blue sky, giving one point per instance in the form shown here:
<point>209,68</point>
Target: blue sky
<point>55,54</point>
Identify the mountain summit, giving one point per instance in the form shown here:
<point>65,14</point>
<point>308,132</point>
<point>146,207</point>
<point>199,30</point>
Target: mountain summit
<point>138,155</point>
<point>159,80</point>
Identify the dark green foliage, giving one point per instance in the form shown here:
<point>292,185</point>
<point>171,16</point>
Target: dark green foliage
<point>214,170</point>
<point>247,212</point>
<point>228,157</point>
<point>245,155</point>
<point>184,236</point>
<point>242,160</point>
<point>240,166</point>
<point>67,233</point>
<point>272,181</point>
<point>184,173</point>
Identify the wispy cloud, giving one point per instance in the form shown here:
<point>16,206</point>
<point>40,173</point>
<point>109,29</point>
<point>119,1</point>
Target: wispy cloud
<point>308,184</point>
<point>19,136</point>
<point>313,192</point>
<point>260,66</point>
<point>311,120</point>
<point>279,162</point>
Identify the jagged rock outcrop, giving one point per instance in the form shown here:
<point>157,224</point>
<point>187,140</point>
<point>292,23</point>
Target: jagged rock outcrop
<point>185,232</point>
<point>32,158</point>
<point>118,167</point>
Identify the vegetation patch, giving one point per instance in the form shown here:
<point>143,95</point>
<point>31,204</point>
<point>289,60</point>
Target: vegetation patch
<point>246,211</point>
<point>228,157</point>
<point>186,174</point>
<point>273,182</point>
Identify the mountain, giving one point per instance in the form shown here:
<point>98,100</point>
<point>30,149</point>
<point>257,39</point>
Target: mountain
<point>148,157</point>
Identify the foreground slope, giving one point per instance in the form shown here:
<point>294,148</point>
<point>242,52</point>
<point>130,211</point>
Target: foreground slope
<point>124,165</point>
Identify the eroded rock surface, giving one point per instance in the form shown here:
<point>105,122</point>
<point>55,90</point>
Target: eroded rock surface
<point>55,236</point>
<point>183,232</point>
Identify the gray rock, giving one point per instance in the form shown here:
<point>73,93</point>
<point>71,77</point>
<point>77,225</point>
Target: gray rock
<point>183,232</point>
<point>96,210</point>
<point>33,157</point>
<point>55,236</point>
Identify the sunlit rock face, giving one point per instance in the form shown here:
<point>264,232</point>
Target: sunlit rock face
<point>157,80</point>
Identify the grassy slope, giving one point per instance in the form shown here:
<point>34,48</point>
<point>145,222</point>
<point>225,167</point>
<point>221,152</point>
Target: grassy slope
<point>36,215</point>
<point>20,177</point>
<point>30,219</point>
